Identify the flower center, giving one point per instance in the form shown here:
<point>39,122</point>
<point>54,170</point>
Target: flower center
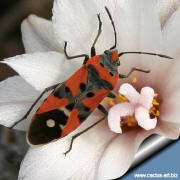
<point>132,108</point>
<point>154,110</point>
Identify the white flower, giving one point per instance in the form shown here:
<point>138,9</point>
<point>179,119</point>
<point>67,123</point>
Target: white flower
<point>99,153</point>
<point>139,104</point>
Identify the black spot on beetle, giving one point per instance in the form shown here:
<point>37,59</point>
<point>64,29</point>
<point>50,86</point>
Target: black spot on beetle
<point>86,108</point>
<point>67,89</point>
<point>82,86</point>
<point>90,94</point>
<point>70,106</point>
<point>101,64</point>
<point>57,94</point>
<point>81,117</point>
<point>111,73</point>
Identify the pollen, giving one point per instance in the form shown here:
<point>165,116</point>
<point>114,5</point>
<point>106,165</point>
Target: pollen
<point>155,103</point>
<point>121,97</point>
<point>101,122</point>
<point>134,80</point>
<point>109,101</point>
<point>154,110</point>
<point>128,121</point>
<point>157,113</point>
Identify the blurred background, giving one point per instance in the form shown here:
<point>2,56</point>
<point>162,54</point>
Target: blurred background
<point>13,145</point>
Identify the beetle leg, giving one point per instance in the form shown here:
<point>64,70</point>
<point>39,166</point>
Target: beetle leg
<point>103,110</point>
<point>132,70</point>
<point>30,109</point>
<point>77,56</point>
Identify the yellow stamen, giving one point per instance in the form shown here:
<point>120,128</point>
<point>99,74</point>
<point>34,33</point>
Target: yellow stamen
<point>106,100</point>
<point>129,123</point>
<point>121,97</point>
<point>130,120</point>
<point>157,113</point>
<point>152,109</point>
<point>155,102</point>
<point>156,94</point>
<point>101,122</point>
<point>134,80</point>
<point>109,101</point>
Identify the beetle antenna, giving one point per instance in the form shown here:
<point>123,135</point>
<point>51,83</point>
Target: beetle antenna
<point>112,22</point>
<point>153,54</point>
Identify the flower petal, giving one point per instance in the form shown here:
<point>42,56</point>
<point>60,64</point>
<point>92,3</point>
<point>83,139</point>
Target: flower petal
<point>129,92</point>
<point>38,35</point>
<point>146,97</point>
<point>86,151</point>
<point>42,70</point>
<point>166,9</point>
<point>115,114</point>
<point>168,129</point>
<point>77,23</point>
<point>134,35</point>
<point>119,154</point>
<point>143,118</point>
<point>16,97</point>
<point>171,80</point>
<point>171,35</point>
<point>170,108</point>
<point>136,31</point>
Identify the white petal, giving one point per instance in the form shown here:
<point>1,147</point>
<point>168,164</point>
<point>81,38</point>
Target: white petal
<point>86,151</point>
<point>119,155</point>
<point>87,172</point>
<point>38,35</point>
<point>77,23</point>
<point>171,35</point>
<point>144,120</point>
<point>168,129</point>
<point>166,9</point>
<point>170,108</point>
<point>42,70</point>
<point>171,80</point>
<point>115,114</point>
<point>129,92</point>
<point>134,33</point>
<point>156,66</point>
<point>146,97</point>
<point>16,98</point>
<point>138,26</point>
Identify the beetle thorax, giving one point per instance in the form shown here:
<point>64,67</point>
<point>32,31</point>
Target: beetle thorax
<point>110,61</point>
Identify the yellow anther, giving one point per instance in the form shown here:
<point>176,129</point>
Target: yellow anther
<point>130,120</point>
<point>109,101</point>
<point>152,109</point>
<point>101,122</point>
<point>156,94</point>
<point>155,102</point>
<point>134,80</point>
<point>122,98</point>
<point>157,113</point>
<point>106,100</point>
<point>129,124</point>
